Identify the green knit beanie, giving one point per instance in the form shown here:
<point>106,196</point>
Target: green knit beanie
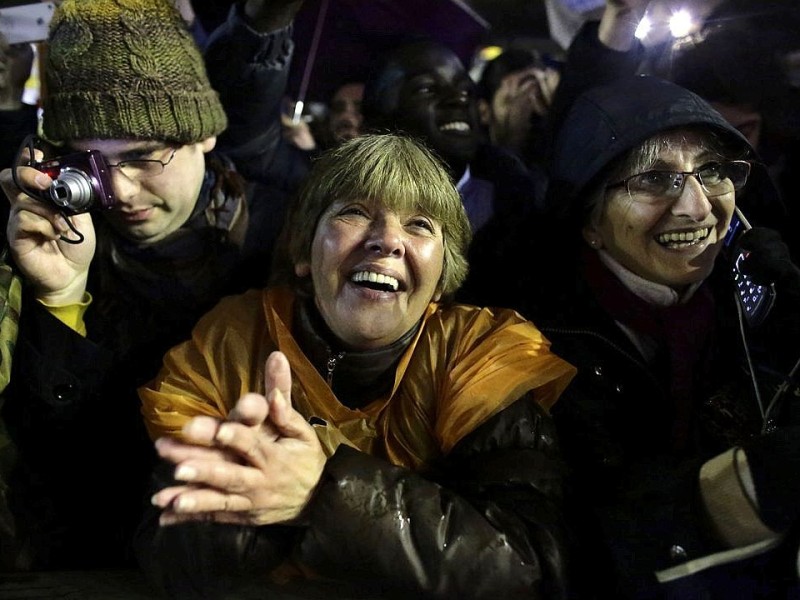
<point>126,69</point>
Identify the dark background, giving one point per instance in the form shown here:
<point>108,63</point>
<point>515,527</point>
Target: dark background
<point>507,17</point>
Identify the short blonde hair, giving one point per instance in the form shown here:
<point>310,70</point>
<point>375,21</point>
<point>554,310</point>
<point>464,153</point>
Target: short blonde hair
<point>394,170</point>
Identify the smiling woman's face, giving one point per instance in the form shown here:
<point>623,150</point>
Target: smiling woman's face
<point>673,242</point>
<point>374,271</point>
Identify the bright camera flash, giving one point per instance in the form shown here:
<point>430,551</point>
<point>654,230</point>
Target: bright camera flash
<point>680,24</point>
<point>643,28</point>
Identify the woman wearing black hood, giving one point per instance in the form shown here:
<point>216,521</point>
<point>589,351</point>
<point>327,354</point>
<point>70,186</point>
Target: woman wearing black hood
<point>679,428</point>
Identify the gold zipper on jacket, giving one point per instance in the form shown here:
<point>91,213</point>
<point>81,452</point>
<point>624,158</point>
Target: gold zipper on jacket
<point>332,358</point>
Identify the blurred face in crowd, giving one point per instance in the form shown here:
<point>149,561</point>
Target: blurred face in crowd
<point>669,238</point>
<point>374,269</point>
<point>152,200</point>
<point>747,120</point>
<point>16,62</point>
<point>345,112</point>
<point>436,100</point>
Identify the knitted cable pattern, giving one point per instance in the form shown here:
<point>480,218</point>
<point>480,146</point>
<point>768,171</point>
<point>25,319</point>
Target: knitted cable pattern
<point>126,69</point>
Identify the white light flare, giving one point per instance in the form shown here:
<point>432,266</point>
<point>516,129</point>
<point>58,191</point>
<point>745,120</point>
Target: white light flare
<point>680,23</point>
<point>643,28</point>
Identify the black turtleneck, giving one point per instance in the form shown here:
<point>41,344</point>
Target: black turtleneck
<point>357,377</point>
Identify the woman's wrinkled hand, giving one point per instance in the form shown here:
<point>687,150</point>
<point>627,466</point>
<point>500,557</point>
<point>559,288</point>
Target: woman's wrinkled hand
<point>258,467</point>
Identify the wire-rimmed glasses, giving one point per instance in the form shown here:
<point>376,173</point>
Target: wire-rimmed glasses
<point>716,178</point>
<point>143,168</point>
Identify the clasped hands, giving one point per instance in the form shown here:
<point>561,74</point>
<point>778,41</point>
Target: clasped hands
<point>260,466</point>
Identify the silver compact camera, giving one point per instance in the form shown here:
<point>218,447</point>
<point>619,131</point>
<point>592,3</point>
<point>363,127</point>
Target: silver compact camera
<point>81,181</point>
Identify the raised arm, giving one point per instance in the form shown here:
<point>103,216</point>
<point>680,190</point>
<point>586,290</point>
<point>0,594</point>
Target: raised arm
<point>248,59</point>
<point>599,54</point>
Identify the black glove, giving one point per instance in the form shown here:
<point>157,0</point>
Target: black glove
<point>774,461</point>
<point>768,260</point>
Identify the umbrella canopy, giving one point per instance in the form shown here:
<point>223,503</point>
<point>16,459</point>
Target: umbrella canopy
<point>337,40</point>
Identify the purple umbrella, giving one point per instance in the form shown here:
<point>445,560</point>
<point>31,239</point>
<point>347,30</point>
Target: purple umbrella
<point>337,40</point>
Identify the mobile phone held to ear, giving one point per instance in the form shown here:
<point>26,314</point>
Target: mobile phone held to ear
<point>756,300</point>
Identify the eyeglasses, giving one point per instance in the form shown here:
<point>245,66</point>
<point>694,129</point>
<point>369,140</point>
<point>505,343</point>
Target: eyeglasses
<point>716,179</point>
<point>143,168</point>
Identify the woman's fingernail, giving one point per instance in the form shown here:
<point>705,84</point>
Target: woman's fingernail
<point>185,504</point>
<point>185,473</point>
<point>191,428</point>
<point>224,434</point>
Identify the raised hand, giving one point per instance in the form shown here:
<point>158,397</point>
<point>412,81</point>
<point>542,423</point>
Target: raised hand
<point>297,133</point>
<point>259,467</point>
<point>524,93</point>
<point>619,21</point>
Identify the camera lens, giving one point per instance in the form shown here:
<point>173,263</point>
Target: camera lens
<point>72,190</point>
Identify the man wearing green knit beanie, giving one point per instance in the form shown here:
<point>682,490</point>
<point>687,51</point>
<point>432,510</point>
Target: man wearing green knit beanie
<point>132,110</point>
<point>124,70</point>
<point>138,72</point>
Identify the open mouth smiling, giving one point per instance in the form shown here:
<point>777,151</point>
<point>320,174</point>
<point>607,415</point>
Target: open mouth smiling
<point>375,281</point>
<point>683,239</point>
<point>455,126</point>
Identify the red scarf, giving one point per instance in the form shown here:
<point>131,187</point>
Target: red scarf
<point>683,333</point>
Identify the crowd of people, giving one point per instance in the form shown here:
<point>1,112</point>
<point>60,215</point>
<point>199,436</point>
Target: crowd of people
<point>526,337</point>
